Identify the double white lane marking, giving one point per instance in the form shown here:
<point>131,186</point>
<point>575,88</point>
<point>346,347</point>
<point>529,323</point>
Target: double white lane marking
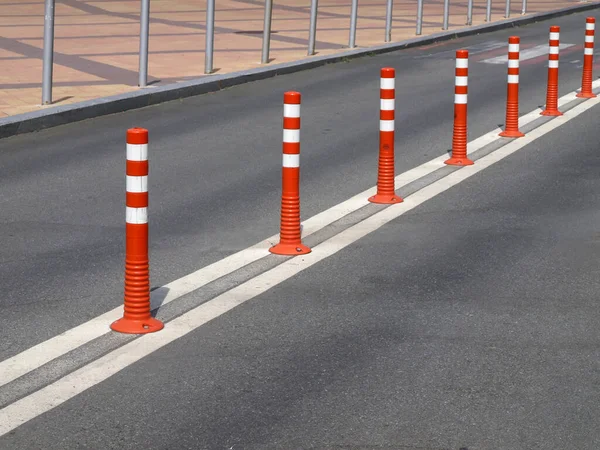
<point>99,370</point>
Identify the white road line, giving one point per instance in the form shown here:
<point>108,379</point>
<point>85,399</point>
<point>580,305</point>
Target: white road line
<point>473,49</point>
<point>101,369</point>
<point>44,352</point>
<point>528,53</point>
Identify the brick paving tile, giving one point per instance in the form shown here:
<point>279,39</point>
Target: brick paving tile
<point>97,41</point>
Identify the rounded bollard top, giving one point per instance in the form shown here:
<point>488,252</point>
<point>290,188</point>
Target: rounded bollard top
<point>137,136</point>
<point>514,40</point>
<point>388,72</point>
<point>590,20</point>
<point>462,53</point>
<point>292,98</point>
<point>554,29</point>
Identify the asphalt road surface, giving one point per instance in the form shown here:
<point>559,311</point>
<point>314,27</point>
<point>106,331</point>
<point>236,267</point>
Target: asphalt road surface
<point>468,322</point>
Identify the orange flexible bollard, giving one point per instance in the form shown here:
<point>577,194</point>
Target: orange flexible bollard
<point>386,191</point>
<point>290,239</point>
<point>136,317</point>
<point>588,60</point>
<point>459,134</point>
<point>511,128</point>
<point>552,92</point>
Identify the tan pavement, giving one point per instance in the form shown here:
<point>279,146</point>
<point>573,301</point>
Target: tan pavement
<point>97,41</point>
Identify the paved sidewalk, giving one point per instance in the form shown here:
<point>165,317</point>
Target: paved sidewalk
<point>96,41</point>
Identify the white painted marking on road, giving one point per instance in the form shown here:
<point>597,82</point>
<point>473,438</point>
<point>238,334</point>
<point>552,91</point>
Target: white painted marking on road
<point>473,50</point>
<point>526,54</point>
<point>103,368</point>
<point>484,47</point>
<point>57,346</point>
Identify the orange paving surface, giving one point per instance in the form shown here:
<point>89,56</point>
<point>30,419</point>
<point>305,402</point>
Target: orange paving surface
<point>97,41</point>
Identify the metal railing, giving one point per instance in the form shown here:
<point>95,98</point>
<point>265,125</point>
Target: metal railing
<point>48,52</point>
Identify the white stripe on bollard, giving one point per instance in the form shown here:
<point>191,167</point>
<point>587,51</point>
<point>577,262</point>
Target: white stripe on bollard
<point>136,216</point>
<point>137,152</point>
<point>291,111</point>
<point>291,160</point>
<point>291,136</point>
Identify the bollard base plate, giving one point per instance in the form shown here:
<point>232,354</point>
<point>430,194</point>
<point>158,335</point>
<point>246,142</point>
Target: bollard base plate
<point>290,249</point>
<point>511,134</point>
<point>130,326</point>
<point>586,95</point>
<point>459,162</point>
<point>386,199</point>
<point>548,112</point>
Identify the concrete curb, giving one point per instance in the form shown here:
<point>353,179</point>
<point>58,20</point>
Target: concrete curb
<point>60,115</point>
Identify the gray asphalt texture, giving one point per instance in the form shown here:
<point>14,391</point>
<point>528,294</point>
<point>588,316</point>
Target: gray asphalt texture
<point>215,172</point>
<point>469,322</point>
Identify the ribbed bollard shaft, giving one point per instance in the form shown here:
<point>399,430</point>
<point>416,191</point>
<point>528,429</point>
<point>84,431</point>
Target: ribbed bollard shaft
<point>459,132</point>
<point>137,290</point>
<point>552,91</point>
<point>588,60</point>
<point>290,234</point>
<point>511,128</point>
<point>386,172</point>
<point>136,310</point>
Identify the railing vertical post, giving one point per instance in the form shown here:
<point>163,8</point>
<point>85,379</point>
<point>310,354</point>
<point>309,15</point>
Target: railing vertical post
<point>312,33</point>
<point>48,52</point>
<point>388,20</point>
<point>446,14</point>
<point>470,12</point>
<point>267,31</point>
<point>210,36</point>
<point>419,17</point>
<point>488,11</point>
<point>507,9</point>
<point>353,14</point>
<point>144,36</point>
